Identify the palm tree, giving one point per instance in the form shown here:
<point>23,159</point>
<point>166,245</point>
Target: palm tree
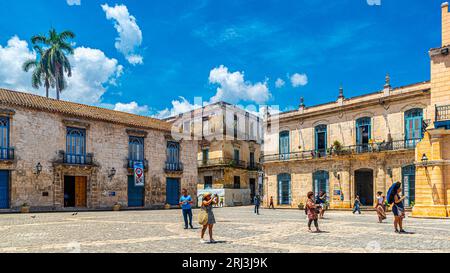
<point>56,49</point>
<point>41,71</point>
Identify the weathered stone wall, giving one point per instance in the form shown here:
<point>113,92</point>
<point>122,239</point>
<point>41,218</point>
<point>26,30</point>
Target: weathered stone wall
<point>38,136</point>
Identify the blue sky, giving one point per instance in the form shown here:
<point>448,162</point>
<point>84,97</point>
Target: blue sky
<point>247,52</point>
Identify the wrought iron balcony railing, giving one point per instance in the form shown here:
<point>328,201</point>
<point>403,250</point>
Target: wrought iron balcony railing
<point>173,167</point>
<point>253,166</point>
<point>222,162</point>
<point>6,153</point>
<point>78,159</point>
<point>396,145</point>
<point>442,113</point>
<point>130,163</point>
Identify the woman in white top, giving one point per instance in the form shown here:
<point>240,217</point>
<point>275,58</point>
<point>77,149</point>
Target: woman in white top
<point>380,207</point>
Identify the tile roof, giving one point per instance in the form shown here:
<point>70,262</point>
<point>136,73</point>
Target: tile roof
<point>26,100</point>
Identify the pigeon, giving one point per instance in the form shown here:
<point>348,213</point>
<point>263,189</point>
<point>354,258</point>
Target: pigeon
<point>34,216</point>
<point>75,213</point>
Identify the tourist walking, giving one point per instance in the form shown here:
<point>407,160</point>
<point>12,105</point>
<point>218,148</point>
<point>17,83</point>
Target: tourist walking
<point>206,209</point>
<point>357,205</point>
<point>271,203</point>
<point>186,206</point>
<point>379,207</point>
<point>257,202</point>
<point>322,202</point>
<point>311,211</point>
<point>398,207</point>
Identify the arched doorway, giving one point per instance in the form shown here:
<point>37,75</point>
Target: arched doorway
<point>364,186</point>
<point>284,189</point>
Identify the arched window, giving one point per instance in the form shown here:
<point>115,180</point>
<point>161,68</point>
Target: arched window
<point>135,149</point>
<point>284,145</point>
<point>284,189</point>
<point>173,155</point>
<point>76,146</point>
<point>321,181</point>
<point>321,140</point>
<point>4,137</point>
<point>363,134</point>
<point>413,127</point>
<point>409,184</point>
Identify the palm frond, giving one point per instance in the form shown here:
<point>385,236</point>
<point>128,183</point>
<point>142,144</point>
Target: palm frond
<point>29,64</point>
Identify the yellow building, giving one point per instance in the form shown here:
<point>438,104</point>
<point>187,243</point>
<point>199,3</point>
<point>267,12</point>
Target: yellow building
<point>361,145</point>
<point>229,150</point>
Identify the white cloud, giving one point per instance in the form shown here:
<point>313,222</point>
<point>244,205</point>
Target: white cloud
<point>233,87</point>
<point>178,107</point>
<point>299,80</point>
<point>73,2</point>
<point>92,72</point>
<point>12,57</point>
<point>279,83</point>
<point>132,108</point>
<point>130,35</point>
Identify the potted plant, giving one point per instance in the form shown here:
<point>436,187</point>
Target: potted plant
<point>301,206</point>
<point>117,207</point>
<point>337,147</point>
<point>167,206</point>
<point>25,208</point>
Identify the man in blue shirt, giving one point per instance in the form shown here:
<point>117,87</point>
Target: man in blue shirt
<point>186,205</point>
<point>257,202</point>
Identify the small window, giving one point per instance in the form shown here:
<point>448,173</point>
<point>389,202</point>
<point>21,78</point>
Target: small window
<point>237,156</point>
<point>205,155</point>
<point>237,182</point>
<point>136,148</point>
<point>208,182</point>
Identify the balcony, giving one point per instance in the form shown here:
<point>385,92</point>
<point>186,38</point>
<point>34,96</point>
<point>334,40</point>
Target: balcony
<point>173,167</point>
<point>253,166</point>
<point>397,145</point>
<point>130,163</point>
<point>226,162</point>
<point>6,153</point>
<point>443,113</point>
<point>77,159</point>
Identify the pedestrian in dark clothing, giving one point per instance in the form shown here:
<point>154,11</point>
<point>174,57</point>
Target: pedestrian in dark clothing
<point>271,203</point>
<point>257,202</point>
<point>357,205</point>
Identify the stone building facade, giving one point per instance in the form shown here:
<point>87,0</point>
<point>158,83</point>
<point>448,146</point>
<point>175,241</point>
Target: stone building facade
<point>229,150</point>
<point>58,155</point>
<point>361,145</point>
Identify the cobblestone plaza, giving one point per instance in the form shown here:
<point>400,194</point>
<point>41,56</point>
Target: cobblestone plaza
<point>237,230</point>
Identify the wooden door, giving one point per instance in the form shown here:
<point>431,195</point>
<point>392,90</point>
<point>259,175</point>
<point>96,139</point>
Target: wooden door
<point>80,192</point>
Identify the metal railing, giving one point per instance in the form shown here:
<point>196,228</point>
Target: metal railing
<point>396,145</point>
<point>131,162</point>
<point>6,153</point>
<point>78,159</point>
<point>442,113</point>
<point>254,166</point>
<point>173,167</point>
<point>222,162</point>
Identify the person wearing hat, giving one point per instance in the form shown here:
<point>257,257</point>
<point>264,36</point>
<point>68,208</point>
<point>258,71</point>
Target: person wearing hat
<point>207,206</point>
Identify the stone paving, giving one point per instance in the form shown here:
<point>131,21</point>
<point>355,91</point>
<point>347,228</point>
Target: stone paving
<point>237,230</point>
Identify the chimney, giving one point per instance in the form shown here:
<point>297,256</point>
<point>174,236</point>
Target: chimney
<point>445,25</point>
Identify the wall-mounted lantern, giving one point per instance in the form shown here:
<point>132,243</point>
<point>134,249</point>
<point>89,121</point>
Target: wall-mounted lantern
<point>425,161</point>
<point>112,173</point>
<point>38,169</point>
<point>390,173</point>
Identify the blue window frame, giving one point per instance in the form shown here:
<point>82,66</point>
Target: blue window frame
<point>413,127</point>
<point>284,145</point>
<point>205,155</point>
<point>409,184</point>
<point>321,182</point>
<point>4,138</point>
<point>136,149</point>
<point>76,146</point>
<point>173,156</point>
<point>237,156</point>
<point>284,189</point>
<point>363,133</point>
<point>321,140</point>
